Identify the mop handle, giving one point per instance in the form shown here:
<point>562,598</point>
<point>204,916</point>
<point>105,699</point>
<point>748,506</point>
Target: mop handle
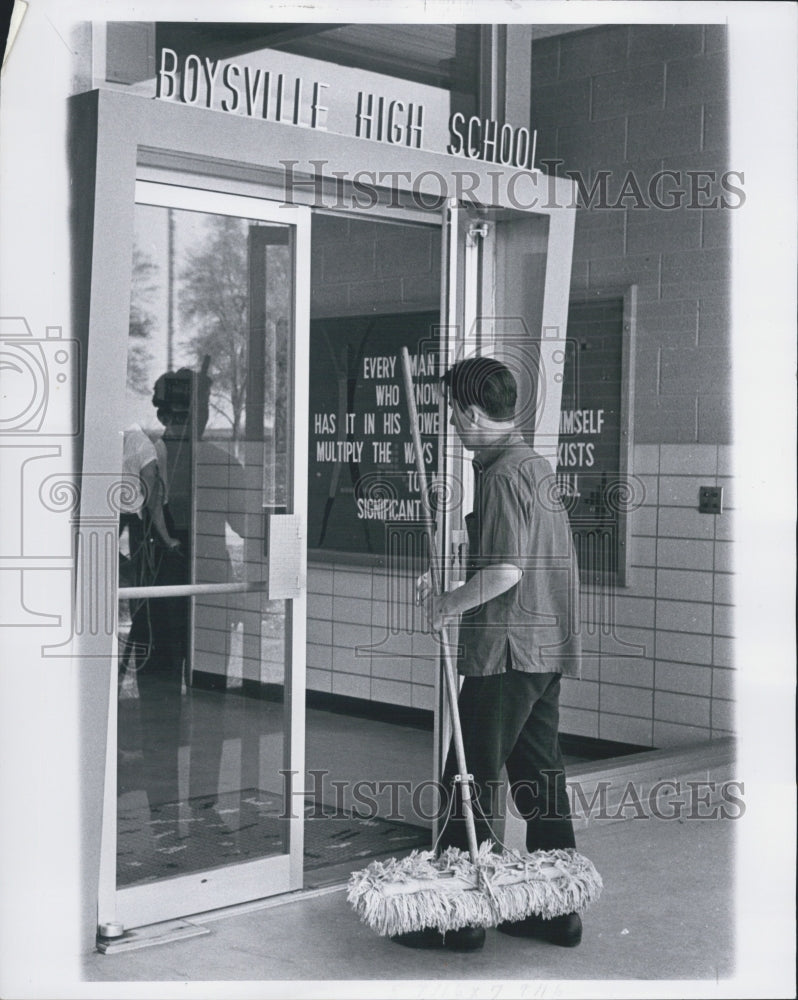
<point>449,671</point>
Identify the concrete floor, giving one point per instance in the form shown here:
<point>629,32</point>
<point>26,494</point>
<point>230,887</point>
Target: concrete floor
<point>666,913</point>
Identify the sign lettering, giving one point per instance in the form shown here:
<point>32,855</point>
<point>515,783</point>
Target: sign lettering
<point>290,95</point>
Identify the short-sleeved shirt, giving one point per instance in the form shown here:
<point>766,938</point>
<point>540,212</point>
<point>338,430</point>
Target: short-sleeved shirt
<point>519,519</point>
<point>138,451</point>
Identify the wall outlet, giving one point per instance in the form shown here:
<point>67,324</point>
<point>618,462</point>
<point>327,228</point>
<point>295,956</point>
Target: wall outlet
<point>710,500</point>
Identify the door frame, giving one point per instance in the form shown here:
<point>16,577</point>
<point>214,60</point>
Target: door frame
<point>135,906</point>
<point>115,139</point>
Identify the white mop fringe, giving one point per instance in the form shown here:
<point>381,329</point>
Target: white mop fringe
<point>450,891</point>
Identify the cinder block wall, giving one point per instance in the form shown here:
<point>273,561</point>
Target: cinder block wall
<point>360,267</point>
<point>365,640</point>
<point>659,667</point>
<point>641,99</point>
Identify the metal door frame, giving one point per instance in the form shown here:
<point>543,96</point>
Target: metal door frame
<point>470,301</point>
<point>204,890</point>
<point>119,137</point>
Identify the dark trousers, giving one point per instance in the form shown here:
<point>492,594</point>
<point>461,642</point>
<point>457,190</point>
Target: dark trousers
<point>159,638</point>
<point>512,720</point>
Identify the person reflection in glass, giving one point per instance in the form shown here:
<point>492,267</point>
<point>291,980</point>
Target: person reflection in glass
<point>160,631</point>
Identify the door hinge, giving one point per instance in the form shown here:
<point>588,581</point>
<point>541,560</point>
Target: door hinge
<point>477,230</point>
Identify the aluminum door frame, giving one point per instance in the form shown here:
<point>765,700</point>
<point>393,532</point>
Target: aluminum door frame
<point>206,890</point>
<point>114,136</point>
<point>470,299</point>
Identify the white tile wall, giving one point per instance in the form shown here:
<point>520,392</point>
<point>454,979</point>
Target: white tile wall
<point>664,676</point>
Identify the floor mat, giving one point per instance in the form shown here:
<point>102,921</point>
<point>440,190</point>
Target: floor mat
<point>179,838</point>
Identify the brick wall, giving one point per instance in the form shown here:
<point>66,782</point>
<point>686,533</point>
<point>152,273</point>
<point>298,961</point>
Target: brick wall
<point>659,662</point>
<point>642,99</point>
<point>365,640</point>
<point>360,266</point>
<point>658,668</point>
<point>676,686</point>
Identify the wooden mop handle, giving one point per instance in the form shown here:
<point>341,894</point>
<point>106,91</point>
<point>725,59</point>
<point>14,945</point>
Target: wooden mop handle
<point>449,671</point>
<point>422,472</point>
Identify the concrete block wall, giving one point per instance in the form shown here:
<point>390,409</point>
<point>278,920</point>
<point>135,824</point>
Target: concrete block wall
<point>641,99</point>
<point>638,99</point>
<point>365,640</point>
<point>658,669</point>
<point>659,653</point>
<point>659,665</point>
<point>359,266</point>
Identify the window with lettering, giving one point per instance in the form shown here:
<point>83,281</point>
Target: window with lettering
<point>362,469</point>
<point>589,453</point>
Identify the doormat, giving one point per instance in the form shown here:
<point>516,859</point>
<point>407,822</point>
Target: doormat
<point>206,832</point>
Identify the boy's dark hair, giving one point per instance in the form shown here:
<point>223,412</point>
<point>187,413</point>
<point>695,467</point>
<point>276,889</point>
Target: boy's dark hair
<point>483,382</point>
<point>173,390</point>
<point>178,394</point>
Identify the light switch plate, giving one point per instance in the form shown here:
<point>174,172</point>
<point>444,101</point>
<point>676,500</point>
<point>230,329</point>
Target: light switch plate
<point>710,500</point>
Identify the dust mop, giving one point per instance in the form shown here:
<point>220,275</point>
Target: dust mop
<point>483,886</point>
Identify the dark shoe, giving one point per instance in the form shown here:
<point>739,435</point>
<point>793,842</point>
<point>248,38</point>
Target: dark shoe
<point>464,939</point>
<point>565,931</point>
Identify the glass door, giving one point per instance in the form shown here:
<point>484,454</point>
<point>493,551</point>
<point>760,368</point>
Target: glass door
<point>463,270</point>
<point>465,257</point>
<point>504,294</point>
<point>204,804</point>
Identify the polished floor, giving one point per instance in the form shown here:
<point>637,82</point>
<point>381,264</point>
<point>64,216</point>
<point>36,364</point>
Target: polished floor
<point>199,785</point>
<point>667,912</point>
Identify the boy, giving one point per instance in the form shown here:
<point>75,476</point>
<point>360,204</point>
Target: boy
<point>519,610</point>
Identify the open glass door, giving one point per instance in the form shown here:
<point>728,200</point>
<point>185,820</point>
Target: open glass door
<point>504,294</point>
<point>464,268</point>
<point>204,804</point>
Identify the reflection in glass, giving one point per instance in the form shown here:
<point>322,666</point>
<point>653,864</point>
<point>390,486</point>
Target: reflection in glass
<point>201,738</point>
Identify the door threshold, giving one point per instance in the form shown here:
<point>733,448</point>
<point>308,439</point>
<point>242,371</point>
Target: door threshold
<point>168,931</point>
<point>152,934</point>
<point>282,899</point>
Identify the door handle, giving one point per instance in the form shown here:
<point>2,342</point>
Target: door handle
<point>286,546</point>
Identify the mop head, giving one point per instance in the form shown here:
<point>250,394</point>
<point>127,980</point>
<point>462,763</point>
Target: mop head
<point>450,891</point>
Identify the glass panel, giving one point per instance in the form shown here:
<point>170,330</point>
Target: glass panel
<point>376,287</point>
<point>201,739</point>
